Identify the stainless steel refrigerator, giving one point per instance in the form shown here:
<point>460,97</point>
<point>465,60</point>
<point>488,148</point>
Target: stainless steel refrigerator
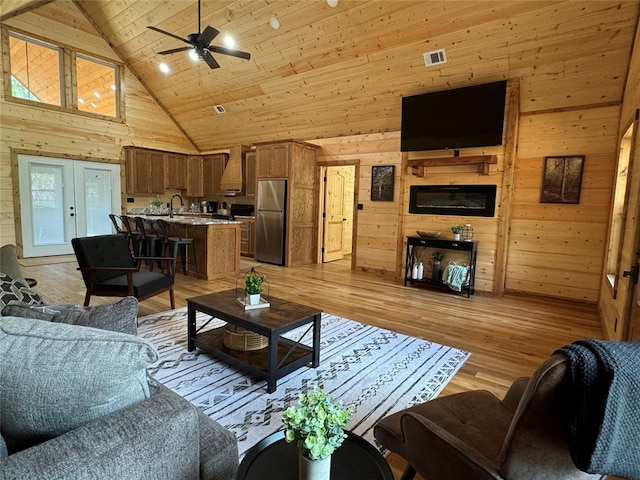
<point>271,202</point>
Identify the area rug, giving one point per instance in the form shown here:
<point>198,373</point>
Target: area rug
<point>377,370</point>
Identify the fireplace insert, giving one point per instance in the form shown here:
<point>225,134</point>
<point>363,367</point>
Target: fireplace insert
<point>463,200</point>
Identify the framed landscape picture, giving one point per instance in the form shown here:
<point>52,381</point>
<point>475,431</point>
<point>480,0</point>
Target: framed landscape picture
<point>562,179</point>
<point>382,183</point>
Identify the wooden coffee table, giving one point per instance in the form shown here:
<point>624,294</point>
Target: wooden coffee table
<point>280,357</point>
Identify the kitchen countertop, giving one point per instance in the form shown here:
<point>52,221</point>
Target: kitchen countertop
<point>189,220</point>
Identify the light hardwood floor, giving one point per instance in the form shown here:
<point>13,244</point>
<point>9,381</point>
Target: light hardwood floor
<point>507,336</point>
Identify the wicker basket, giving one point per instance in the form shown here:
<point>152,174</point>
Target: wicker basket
<point>237,338</point>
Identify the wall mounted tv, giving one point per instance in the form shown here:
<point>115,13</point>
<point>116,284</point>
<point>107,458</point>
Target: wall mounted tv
<point>451,119</point>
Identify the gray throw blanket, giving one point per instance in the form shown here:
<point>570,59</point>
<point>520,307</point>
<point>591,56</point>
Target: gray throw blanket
<point>604,428</point>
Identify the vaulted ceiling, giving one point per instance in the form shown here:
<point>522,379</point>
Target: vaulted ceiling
<point>340,71</point>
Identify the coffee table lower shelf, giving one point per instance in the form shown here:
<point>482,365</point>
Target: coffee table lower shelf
<point>291,355</point>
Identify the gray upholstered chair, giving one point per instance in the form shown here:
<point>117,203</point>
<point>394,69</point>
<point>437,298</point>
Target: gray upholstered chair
<point>109,270</point>
<point>475,435</point>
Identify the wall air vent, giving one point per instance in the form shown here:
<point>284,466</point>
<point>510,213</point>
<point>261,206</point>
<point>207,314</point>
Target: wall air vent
<point>219,109</point>
<point>436,57</point>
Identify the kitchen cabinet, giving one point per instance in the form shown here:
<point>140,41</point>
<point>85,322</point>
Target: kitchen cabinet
<point>195,182</point>
<point>249,173</point>
<point>296,162</point>
<point>212,170</point>
<point>145,170</point>
<point>247,236</point>
<point>272,160</point>
<point>176,171</point>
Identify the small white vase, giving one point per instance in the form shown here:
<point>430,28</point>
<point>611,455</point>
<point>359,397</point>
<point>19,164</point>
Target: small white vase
<point>253,299</point>
<point>456,236</point>
<point>313,469</point>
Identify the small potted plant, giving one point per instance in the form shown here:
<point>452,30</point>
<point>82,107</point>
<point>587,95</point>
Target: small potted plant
<point>317,427</point>
<point>436,267</point>
<point>457,230</point>
<point>156,203</point>
<point>253,286</point>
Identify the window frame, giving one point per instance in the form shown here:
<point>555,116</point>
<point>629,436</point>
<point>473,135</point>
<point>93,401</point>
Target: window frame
<point>68,78</point>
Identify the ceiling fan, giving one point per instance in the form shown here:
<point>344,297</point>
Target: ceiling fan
<point>201,43</point>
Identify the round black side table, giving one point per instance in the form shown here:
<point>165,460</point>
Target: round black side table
<point>275,459</point>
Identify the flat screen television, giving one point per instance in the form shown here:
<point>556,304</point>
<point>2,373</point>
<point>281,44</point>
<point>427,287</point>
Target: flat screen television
<point>451,119</point>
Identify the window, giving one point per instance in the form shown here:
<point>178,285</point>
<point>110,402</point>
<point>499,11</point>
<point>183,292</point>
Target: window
<point>619,210</point>
<point>36,70</point>
<point>98,86</point>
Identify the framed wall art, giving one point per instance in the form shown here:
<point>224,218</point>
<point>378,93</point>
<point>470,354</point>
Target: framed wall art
<point>382,183</point>
<point>562,179</point>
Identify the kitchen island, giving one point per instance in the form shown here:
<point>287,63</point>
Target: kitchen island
<point>217,243</point>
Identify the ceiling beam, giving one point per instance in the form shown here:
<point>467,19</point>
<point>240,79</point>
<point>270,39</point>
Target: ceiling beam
<point>135,74</point>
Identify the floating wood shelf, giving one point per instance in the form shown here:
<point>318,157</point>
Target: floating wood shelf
<point>417,166</point>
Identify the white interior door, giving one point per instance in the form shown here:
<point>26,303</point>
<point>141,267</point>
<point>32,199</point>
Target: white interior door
<point>61,199</point>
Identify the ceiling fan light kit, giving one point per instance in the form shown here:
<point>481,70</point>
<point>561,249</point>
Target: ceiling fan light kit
<point>200,47</point>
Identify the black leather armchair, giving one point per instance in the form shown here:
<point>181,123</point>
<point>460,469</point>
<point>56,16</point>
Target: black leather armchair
<point>109,270</point>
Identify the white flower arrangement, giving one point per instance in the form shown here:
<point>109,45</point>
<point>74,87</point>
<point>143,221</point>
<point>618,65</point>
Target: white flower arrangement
<point>317,426</point>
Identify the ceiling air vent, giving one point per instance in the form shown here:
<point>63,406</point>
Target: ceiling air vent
<point>435,57</point>
<point>219,109</point>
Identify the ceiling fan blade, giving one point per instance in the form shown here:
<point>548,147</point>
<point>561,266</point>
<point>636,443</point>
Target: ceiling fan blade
<point>207,35</point>
<point>174,50</point>
<point>170,34</point>
<point>206,56</point>
<point>228,51</point>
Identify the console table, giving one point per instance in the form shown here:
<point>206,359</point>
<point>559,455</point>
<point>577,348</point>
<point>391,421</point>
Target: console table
<point>471,247</point>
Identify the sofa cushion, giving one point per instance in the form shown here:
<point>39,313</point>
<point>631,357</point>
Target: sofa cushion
<point>15,290</point>
<point>121,316</point>
<point>57,377</point>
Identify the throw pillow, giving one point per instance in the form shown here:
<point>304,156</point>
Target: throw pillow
<point>39,312</point>
<point>11,289</point>
<point>121,316</point>
<point>56,377</point>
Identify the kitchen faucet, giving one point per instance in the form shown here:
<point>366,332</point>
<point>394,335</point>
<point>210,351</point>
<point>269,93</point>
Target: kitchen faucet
<point>171,203</point>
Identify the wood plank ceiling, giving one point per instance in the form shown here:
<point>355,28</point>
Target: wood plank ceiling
<point>330,72</point>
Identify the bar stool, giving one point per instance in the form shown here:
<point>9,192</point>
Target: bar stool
<point>172,244</point>
<point>149,239</point>
<point>134,235</point>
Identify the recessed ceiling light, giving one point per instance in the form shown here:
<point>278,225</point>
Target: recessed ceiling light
<point>274,22</point>
<point>80,100</point>
<point>113,87</point>
<point>332,3</point>
<point>96,94</point>
<point>193,55</point>
<point>229,42</point>
<point>93,105</point>
<point>164,68</point>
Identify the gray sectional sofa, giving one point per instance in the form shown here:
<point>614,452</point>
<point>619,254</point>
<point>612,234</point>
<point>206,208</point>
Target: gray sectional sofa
<point>76,401</point>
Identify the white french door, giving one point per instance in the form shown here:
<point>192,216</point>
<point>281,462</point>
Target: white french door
<point>61,199</point>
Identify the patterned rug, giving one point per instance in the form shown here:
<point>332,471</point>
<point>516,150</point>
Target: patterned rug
<point>377,370</point>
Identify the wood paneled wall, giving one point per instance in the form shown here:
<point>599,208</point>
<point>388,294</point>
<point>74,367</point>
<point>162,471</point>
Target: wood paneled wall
<point>66,135</point>
<point>558,249</point>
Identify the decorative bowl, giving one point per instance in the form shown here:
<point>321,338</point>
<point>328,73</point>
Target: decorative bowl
<point>428,234</point>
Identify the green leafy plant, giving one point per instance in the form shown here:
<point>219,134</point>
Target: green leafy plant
<point>317,426</point>
<point>456,229</point>
<point>437,256</point>
<point>253,282</point>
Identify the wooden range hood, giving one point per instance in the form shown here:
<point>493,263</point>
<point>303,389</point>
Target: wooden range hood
<point>232,179</point>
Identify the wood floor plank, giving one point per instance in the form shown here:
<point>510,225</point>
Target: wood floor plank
<point>508,336</point>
